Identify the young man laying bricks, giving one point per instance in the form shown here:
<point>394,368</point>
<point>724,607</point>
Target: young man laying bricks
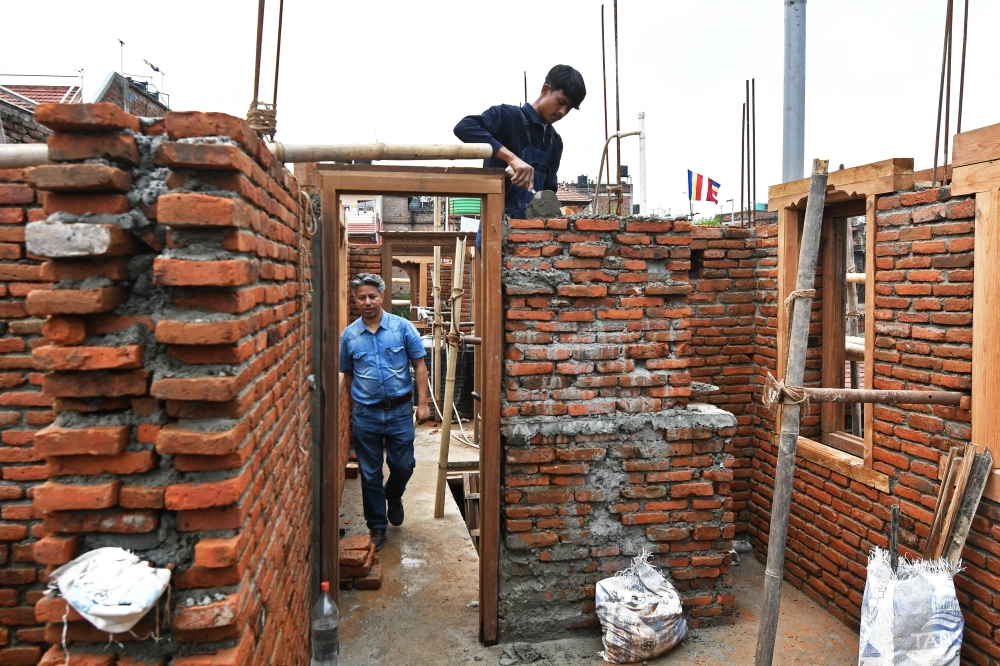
<point>375,355</point>
<point>523,137</point>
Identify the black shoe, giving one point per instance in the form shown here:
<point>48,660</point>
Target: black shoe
<point>395,512</point>
<point>378,538</point>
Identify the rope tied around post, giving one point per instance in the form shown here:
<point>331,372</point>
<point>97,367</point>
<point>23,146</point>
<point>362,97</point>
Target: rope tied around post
<point>263,119</point>
<point>789,302</point>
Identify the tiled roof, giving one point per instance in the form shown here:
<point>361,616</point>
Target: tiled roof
<point>360,228</point>
<point>40,94</point>
<point>569,196</point>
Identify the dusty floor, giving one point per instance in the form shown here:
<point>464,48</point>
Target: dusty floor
<point>424,613</point>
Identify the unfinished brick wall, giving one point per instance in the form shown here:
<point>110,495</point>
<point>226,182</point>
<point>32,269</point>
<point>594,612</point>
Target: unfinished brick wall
<point>601,457</point>
<point>23,410</point>
<point>923,326</point>
<point>724,265</point>
<point>175,353</point>
<point>19,125</point>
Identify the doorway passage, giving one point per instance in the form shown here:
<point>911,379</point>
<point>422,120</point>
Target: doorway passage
<point>334,182</point>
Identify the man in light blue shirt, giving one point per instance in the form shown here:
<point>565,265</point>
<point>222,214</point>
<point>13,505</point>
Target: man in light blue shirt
<point>375,355</point>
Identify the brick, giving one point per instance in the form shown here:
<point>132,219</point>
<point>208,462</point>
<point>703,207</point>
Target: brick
<point>203,156</point>
<point>185,497</point>
<point>80,178</point>
<point>65,147</point>
<point>55,550</point>
<point>82,204</point>
<point>100,117</point>
<point>197,210</point>
<point>75,301</point>
<point>173,439</point>
<point>65,330</point>
<point>88,358</point>
<point>98,440</point>
<point>191,273</point>
<point>193,124</point>
<point>16,194</point>
<point>95,384</point>
<point>141,497</point>
<point>52,496</point>
<point>583,291</point>
<point>124,522</point>
<point>201,333</point>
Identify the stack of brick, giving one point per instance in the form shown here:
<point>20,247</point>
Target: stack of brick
<point>175,354</point>
<point>23,410</point>
<point>602,457</point>
<point>359,565</point>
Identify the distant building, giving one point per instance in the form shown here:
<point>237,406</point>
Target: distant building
<point>17,110</point>
<point>142,100</point>
<point>18,102</point>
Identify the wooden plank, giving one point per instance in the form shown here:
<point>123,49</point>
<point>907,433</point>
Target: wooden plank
<point>975,178</point>
<point>985,349</point>
<point>846,442</point>
<point>834,325</point>
<point>840,462</point>
<point>492,347</point>
<point>387,275</point>
<point>789,233</point>
<point>939,507</point>
<point>425,184</point>
<point>871,227</point>
<point>978,145</point>
<point>951,511</point>
<point>329,386</point>
<point>409,169</point>
<point>848,192</point>
<point>944,173</point>
<point>846,178</point>
<point>968,503</point>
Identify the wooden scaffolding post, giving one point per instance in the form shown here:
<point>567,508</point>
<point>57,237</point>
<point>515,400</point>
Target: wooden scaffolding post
<point>454,338</point>
<point>781,503</point>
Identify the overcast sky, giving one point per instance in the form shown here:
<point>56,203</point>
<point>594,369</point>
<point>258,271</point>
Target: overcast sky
<point>408,71</point>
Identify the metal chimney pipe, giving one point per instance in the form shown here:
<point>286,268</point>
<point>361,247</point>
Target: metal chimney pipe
<point>793,128</point>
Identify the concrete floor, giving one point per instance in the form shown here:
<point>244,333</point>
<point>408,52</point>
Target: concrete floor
<point>425,612</point>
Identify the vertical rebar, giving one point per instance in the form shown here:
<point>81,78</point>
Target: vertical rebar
<point>618,120</point>
<point>947,93</point>
<point>277,54</point>
<point>260,38</point>
<point>753,124</point>
<point>743,133</point>
<point>961,80</point>
<point>944,61</point>
<point>894,537</point>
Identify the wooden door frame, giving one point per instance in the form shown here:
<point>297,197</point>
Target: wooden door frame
<point>339,179</point>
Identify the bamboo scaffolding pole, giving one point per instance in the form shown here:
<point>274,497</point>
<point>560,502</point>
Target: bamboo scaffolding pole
<point>852,327</point>
<point>855,278</point>
<point>454,338</point>
<point>436,361</point>
<point>789,418</point>
<point>884,397</point>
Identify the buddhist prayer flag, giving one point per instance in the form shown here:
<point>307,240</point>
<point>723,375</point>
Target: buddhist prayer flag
<point>697,184</point>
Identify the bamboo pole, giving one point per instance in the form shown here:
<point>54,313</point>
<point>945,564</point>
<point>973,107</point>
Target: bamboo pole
<point>789,432</point>
<point>436,361</point>
<point>454,337</point>
<point>852,327</point>
<point>884,397</point>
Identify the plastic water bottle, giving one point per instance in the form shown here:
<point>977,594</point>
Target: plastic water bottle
<point>325,630</point>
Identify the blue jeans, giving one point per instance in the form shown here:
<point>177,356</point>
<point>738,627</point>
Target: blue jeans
<point>373,431</point>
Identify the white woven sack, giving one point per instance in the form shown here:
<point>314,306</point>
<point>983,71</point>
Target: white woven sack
<point>911,617</point>
<point>111,588</point>
<point>640,614</point>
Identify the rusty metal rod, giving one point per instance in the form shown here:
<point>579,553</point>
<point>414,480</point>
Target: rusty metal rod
<point>884,397</point>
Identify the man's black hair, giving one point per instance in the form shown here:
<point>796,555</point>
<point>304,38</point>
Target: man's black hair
<point>568,80</point>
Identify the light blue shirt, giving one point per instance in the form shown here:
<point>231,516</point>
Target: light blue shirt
<point>380,361</point>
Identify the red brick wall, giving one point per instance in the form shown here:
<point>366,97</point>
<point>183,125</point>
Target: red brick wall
<point>178,374</point>
<point>600,460</point>
<point>23,410</point>
<point>923,326</point>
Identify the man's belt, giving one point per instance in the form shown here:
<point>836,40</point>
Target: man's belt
<point>394,402</point>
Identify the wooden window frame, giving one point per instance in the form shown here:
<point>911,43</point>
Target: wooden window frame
<point>850,192</point>
<point>336,180</point>
<point>976,170</point>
